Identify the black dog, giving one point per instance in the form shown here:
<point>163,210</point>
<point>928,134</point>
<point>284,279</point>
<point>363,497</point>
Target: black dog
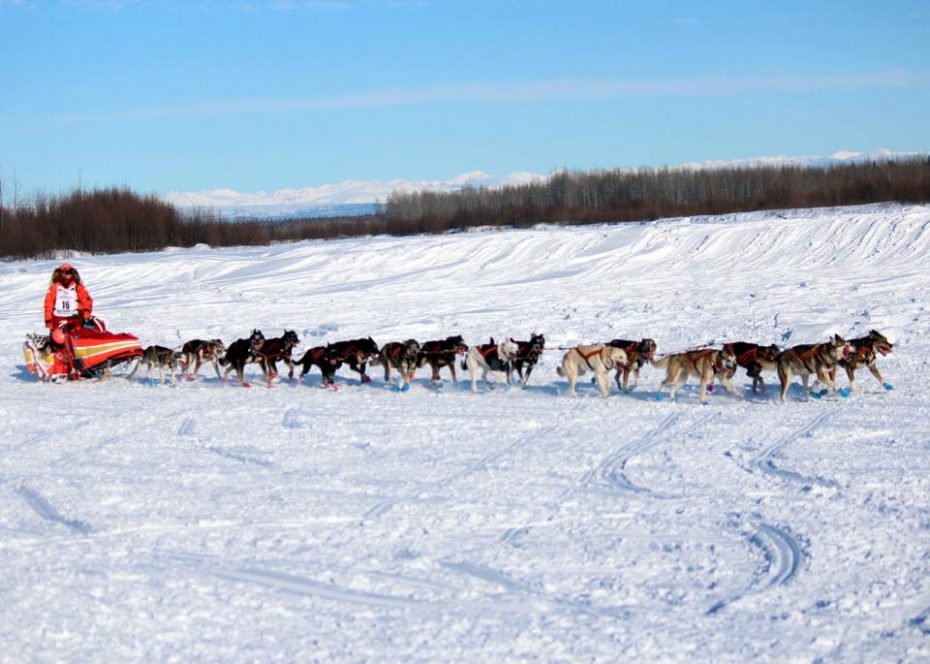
<point>754,358</point>
<point>528,353</point>
<point>276,349</point>
<point>441,353</point>
<point>637,354</point>
<point>240,353</point>
<point>325,358</point>
<point>357,353</point>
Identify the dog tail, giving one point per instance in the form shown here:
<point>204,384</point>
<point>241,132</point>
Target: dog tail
<point>464,365</point>
<point>661,362</point>
<point>559,371</point>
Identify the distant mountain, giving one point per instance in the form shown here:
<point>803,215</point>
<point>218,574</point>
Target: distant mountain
<point>360,197</point>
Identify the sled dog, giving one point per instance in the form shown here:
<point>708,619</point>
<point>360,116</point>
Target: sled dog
<point>599,358</point>
<point>240,353</point>
<point>278,348</point>
<point>862,353</point>
<point>325,358</point>
<point>706,364</point>
<point>528,354</point>
<point>819,360</point>
<point>755,358</point>
<point>197,352</point>
<point>637,354</point>
<point>441,353</point>
<point>489,357</point>
<point>161,357</point>
<point>356,353</point>
<point>401,356</point>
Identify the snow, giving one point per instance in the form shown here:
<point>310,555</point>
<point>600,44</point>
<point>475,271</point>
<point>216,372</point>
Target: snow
<point>210,522</point>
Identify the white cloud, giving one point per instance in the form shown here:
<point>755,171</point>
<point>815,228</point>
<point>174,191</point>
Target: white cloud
<point>533,91</point>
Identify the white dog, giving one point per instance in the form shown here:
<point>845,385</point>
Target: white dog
<point>599,358</point>
<point>490,357</point>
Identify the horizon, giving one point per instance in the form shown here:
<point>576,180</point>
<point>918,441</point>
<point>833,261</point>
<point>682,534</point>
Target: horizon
<point>164,99</point>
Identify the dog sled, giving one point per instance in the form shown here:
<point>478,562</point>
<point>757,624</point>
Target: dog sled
<point>89,351</point>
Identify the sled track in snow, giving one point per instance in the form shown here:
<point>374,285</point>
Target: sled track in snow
<point>305,586</point>
<point>922,621</point>
<point>612,469</point>
<point>385,505</point>
<point>764,460</point>
<point>45,510</point>
<point>509,585</point>
<point>783,559</point>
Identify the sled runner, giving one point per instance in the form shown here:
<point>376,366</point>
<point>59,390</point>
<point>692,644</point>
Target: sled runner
<point>87,352</point>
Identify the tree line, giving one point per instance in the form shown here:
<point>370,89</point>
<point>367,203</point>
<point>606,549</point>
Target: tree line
<point>581,197</point>
<point>117,219</point>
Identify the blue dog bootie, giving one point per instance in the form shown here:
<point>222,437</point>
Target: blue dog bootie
<point>888,386</point>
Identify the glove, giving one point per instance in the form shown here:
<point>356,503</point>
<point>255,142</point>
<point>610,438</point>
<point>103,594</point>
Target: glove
<point>48,323</point>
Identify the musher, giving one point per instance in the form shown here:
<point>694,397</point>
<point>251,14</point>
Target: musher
<point>67,306</point>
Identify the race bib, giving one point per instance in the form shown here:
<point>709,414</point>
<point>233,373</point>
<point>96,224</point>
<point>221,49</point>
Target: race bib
<point>66,303</point>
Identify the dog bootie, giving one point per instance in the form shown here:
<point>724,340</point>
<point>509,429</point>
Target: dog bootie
<point>660,397</point>
<point>888,386</point>
<point>405,388</point>
<point>845,392</point>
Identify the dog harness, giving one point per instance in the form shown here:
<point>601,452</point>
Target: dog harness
<point>586,357</point>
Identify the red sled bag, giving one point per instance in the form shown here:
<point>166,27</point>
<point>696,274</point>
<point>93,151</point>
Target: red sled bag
<point>87,351</point>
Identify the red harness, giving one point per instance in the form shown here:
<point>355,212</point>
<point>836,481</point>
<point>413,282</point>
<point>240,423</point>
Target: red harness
<point>586,357</point>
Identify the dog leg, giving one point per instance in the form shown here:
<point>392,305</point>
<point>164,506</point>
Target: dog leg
<point>730,387</point>
<point>452,369</point>
<point>134,369</point>
<point>602,382</point>
<point>873,368</point>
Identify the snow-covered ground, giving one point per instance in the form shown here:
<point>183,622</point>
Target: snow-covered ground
<point>210,522</point>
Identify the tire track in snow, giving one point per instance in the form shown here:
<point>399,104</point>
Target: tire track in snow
<point>783,560</point>
<point>47,511</point>
<point>764,463</point>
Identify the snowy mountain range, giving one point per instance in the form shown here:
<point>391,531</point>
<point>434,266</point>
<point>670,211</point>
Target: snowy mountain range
<point>359,197</point>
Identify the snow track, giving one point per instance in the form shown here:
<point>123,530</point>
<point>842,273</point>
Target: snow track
<point>45,510</point>
<point>783,558</point>
<point>764,461</point>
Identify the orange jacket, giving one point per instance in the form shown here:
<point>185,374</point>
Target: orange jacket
<point>84,301</point>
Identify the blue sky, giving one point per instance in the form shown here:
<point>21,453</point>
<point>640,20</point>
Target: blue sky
<point>249,95</point>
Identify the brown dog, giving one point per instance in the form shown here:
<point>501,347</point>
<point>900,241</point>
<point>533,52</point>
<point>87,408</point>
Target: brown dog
<point>402,356</point>
<point>707,364</point>
<point>819,360</point>
<point>863,352</point>
<point>198,351</point>
<point>754,358</point>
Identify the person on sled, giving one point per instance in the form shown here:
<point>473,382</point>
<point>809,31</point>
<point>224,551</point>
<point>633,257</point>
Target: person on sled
<point>67,306</point>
